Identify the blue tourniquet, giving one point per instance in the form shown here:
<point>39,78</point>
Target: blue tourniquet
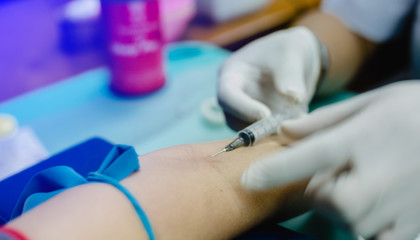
<point>120,162</point>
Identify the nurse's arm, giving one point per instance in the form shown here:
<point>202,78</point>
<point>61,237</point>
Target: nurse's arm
<point>185,193</point>
<point>347,50</point>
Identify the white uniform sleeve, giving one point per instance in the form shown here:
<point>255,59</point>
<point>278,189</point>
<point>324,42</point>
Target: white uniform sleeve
<point>376,20</point>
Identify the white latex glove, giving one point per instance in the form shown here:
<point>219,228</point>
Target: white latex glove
<point>363,155</point>
<point>271,73</point>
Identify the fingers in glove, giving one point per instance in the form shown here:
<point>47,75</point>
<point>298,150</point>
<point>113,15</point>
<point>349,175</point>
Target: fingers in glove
<point>406,229</point>
<point>395,212</point>
<point>297,163</point>
<point>344,194</point>
<point>324,117</point>
<point>290,80</point>
<point>297,77</point>
<point>231,92</point>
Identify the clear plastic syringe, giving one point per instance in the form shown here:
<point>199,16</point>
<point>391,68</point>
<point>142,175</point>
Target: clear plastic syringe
<point>260,129</point>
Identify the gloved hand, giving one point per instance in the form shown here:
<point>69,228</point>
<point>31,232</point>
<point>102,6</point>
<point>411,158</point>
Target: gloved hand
<point>363,155</point>
<point>271,73</point>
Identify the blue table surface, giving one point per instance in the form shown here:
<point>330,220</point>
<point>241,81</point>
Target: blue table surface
<point>76,109</point>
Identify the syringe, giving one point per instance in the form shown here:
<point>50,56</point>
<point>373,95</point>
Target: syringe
<point>260,130</point>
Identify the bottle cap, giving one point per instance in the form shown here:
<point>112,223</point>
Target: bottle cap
<point>8,126</point>
<point>212,112</point>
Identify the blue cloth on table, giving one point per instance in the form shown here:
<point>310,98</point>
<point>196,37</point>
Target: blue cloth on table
<point>120,162</point>
<point>83,158</point>
<point>49,180</point>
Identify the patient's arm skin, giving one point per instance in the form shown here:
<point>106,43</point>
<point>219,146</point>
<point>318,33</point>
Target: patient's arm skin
<point>186,194</point>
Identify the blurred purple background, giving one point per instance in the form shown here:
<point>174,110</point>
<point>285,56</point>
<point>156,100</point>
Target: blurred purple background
<point>45,41</point>
<point>31,51</point>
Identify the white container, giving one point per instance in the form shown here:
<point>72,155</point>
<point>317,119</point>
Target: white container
<point>19,147</point>
<point>225,10</point>
<point>175,17</point>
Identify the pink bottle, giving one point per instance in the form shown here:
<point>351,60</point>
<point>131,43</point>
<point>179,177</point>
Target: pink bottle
<point>134,45</point>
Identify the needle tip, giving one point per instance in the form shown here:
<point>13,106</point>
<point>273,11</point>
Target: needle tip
<point>222,151</point>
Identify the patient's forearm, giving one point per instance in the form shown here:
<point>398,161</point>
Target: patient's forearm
<point>198,197</point>
<point>185,193</point>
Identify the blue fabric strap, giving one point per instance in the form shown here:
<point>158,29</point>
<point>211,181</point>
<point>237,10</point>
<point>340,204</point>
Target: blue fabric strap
<point>98,177</point>
<point>120,162</point>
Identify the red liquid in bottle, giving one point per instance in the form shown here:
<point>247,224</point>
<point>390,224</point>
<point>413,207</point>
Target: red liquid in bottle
<point>134,46</point>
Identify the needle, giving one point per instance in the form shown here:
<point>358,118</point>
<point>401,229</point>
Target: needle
<point>238,142</point>
<point>260,129</point>
<point>220,152</point>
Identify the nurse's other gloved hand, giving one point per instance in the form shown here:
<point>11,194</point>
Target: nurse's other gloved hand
<point>363,158</point>
<point>269,74</point>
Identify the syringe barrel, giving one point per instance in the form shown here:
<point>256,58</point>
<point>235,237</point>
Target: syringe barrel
<point>264,127</point>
